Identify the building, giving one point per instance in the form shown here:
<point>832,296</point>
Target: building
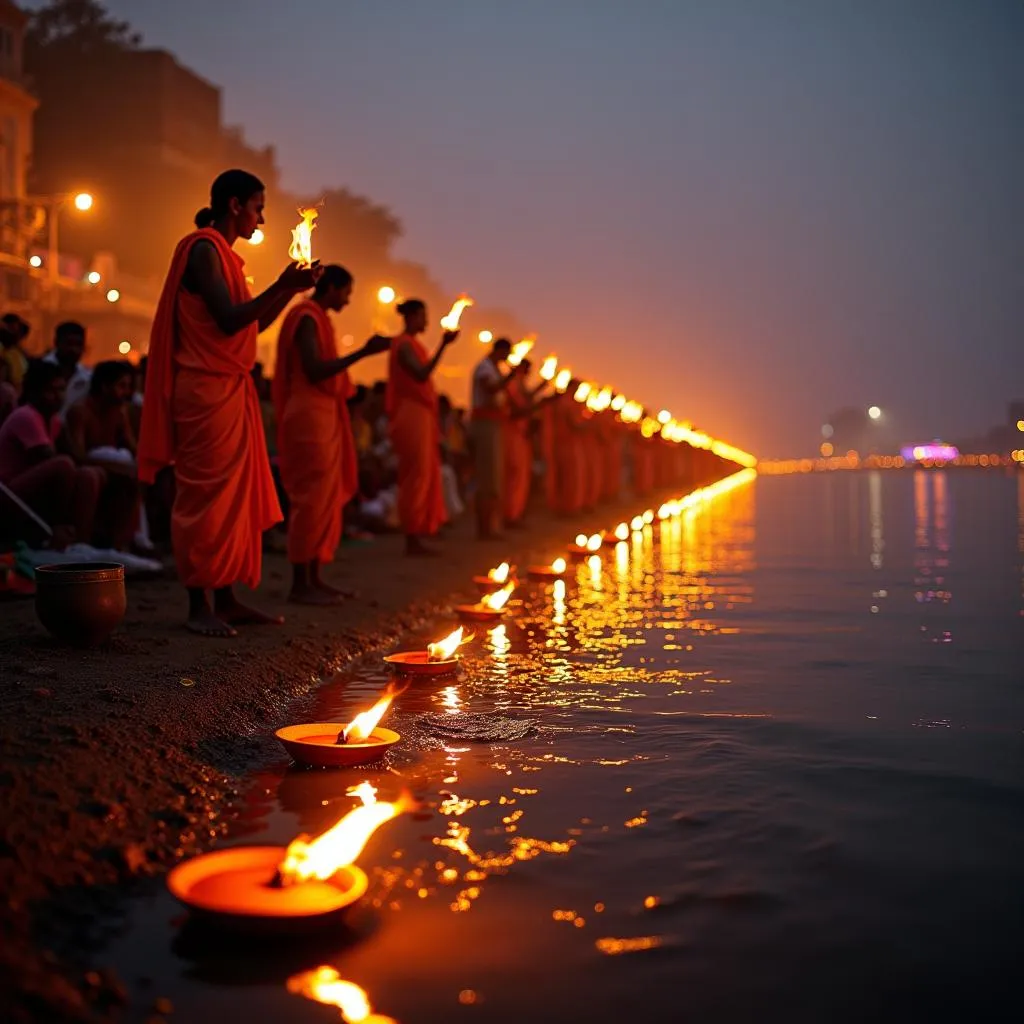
<point>17,217</point>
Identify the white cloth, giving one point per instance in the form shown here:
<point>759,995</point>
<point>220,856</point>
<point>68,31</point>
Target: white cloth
<point>485,375</point>
<point>78,385</point>
<point>450,486</point>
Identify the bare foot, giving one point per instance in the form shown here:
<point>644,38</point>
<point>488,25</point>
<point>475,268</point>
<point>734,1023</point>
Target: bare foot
<point>314,595</point>
<point>205,623</point>
<point>234,613</point>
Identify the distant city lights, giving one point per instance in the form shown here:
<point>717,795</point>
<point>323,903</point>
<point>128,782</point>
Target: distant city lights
<point>826,448</point>
<point>874,412</point>
<point>827,431</point>
<point>93,277</point>
<point>1020,425</point>
<point>113,295</point>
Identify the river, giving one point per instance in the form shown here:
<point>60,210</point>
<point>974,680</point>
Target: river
<point>773,769</point>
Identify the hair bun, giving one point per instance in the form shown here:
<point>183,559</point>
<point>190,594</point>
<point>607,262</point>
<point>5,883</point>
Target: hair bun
<point>204,218</point>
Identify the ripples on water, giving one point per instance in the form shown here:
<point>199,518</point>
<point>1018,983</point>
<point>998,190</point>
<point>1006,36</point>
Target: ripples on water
<point>761,762</point>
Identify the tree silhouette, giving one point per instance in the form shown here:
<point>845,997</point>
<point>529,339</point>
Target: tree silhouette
<point>74,30</point>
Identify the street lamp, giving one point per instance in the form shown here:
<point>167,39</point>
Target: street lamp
<point>385,294</point>
<point>83,201</point>
<point>113,295</point>
<point>874,412</point>
<point>485,337</point>
<point>93,277</point>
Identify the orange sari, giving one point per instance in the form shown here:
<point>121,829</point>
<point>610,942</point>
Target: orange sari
<point>201,414</point>
<point>316,449</point>
<point>569,455</point>
<point>416,438</point>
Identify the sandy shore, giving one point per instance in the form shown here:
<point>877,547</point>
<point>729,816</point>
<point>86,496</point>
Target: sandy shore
<point>118,762</point>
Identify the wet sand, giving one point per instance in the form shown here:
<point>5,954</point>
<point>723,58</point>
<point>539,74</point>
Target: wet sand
<point>119,762</point>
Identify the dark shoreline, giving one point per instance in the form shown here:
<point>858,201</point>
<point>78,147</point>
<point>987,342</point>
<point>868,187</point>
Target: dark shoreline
<point>156,731</point>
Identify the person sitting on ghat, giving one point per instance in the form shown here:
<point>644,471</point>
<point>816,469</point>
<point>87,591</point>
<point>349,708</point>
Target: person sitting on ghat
<point>98,432</point>
<point>64,495</point>
<point>68,349</point>
<point>13,332</point>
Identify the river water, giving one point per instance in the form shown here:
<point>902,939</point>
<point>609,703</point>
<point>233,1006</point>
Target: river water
<point>773,770</point>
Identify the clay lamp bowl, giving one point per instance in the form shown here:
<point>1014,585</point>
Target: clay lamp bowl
<point>316,745</point>
<point>419,663</point>
<point>548,573</point>
<point>81,603</point>
<point>578,551</point>
<point>235,889</point>
<point>488,586</point>
<point>479,613</point>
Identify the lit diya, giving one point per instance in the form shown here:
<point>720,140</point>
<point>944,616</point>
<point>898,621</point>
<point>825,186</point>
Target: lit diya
<point>306,883</point>
<point>328,745</point>
<point>450,321</point>
<point>436,660</point>
<point>554,571</point>
<point>585,546</point>
<point>490,607</point>
<point>495,579</point>
<point>301,249</point>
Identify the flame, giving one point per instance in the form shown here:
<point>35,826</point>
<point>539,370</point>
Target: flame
<point>499,575</point>
<point>446,648</point>
<point>562,380</point>
<point>361,727</point>
<point>307,859</point>
<point>548,368</point>
<point>582,391</point>
<point>594,542</point>
<point>558,565</point>
<point>637,523</point>
<point>581,540</point>
<point>301,249</point>
<point>325,985</point>
<point>450,322</point>
<point>622,532</point>
<point>520,350</point>
<point>649,517</point>
<point>618,403</point>
<point>496,601</point>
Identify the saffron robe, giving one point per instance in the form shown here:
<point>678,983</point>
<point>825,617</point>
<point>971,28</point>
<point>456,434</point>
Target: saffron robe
<point>201,414</point>
<point>411,406</point>
<point>316,449</point>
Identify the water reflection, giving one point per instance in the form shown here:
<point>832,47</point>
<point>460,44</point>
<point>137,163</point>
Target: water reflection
<point>932,545</point>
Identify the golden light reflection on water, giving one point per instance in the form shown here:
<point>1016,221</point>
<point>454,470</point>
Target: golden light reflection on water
<point>580,657</point>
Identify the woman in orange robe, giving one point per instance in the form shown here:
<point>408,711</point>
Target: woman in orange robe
<point>201,412</point>
<point>570,452</point>
<point>518,448</point>
<point>317,452</point>
<point>411,406</point>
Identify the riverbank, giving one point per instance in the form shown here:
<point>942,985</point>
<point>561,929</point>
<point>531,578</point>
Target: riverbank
<point>121,761</point>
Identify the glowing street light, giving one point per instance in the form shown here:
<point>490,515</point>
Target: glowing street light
<point>83,201</point>
<point>113,295</point>
<point>385,294</point>
<point>93,277</point>
<point>35,261</point>
<point>874,412</point>
<point>257,237</point>
<point>124,348</point>
<point>485,337</point>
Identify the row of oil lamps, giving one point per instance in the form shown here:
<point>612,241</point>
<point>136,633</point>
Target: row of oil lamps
<point>313,879</point>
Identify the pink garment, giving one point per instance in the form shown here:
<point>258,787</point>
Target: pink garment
<point>22,431</point>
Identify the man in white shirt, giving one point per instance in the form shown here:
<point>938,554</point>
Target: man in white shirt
<point>68,347</point>
<point>489,400</point>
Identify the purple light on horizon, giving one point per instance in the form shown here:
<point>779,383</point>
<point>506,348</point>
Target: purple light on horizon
<point>930,453</point>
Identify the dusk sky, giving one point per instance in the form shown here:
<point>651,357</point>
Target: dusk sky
<point>750,212</point>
